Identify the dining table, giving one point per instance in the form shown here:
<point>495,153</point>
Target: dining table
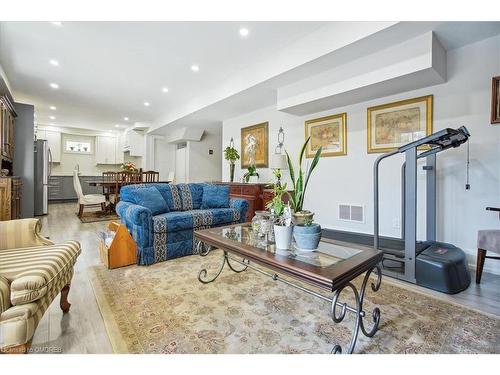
<point>111,184</point>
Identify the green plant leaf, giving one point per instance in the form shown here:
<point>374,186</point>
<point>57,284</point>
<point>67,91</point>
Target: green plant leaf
<point>311,168</point>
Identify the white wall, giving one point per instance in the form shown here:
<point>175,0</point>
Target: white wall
<point>204,166</point>
<point>463,100</point>
<point>164,158</point>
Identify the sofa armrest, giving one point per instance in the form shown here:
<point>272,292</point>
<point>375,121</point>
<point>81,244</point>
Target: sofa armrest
<point>242,206</point>
<point>138,220</point>
<point>21,233</point>
<point>4,294</point>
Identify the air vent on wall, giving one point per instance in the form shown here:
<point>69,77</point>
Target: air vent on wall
<point>351,213</point>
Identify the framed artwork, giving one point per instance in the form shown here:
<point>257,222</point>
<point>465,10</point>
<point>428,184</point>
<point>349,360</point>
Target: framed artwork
<point>395,124</point>
<point>495,100</point>
<point>328,132</point>
<point>255,146</point>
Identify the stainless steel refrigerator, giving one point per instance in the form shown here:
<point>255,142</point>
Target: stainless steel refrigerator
<point>43,166</point>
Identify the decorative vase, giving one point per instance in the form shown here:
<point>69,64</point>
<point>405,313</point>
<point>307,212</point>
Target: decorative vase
<point>302,217</point>
<point>231,171</point>
<point>307,237</point>
<point>261,225</point>
<point>253,179</point>
<point>283,236</point>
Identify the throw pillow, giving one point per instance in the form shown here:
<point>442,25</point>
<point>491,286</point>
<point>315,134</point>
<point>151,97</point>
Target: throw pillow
<point>215,196</point>
<point>151,198</point>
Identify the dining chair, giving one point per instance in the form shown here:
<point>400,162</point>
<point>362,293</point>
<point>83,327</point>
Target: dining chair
<point>86,200</point>
<point>122,179</point>
<point>171,176</point>
<point>109,176</point>
<point>150,176</point>
<point>487,240</point>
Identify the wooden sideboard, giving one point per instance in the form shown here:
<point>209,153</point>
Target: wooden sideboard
<point>253,193</point>
<point>10,198</point>
<point>256,194</point>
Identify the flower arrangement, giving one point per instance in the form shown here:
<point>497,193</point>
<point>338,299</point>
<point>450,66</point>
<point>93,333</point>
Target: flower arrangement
<point>129,167</point>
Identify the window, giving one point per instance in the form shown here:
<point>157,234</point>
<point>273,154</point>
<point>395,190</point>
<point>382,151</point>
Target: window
<point>78,147</point>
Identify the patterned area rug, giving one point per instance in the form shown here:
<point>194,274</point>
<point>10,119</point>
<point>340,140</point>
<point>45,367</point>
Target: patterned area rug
<point>163,308</point>
<point>95,216</point>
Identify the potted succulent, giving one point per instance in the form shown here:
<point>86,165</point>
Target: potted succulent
<point>231,155</point>
<point>300,181</point>
<point>251,174</point>
<point>281,217</point>
<point>307,236</point>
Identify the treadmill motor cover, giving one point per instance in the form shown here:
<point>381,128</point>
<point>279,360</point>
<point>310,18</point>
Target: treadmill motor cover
<point>443,267</point>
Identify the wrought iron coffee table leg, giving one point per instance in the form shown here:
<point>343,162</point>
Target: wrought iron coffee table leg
<point>202,276</point>
<point>358,310</point>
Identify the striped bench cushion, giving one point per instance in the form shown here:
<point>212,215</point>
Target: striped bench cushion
<point>32,271</point>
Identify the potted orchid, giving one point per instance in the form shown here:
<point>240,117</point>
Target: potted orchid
<point>281,215</point>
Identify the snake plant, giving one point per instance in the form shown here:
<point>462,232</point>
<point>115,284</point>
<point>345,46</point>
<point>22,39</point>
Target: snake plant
<point>300,181</point>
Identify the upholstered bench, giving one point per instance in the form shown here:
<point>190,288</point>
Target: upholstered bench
<point>33,271</point>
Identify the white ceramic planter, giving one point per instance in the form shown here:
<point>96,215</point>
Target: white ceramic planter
<point>283,236</point>
<point>253,179</point>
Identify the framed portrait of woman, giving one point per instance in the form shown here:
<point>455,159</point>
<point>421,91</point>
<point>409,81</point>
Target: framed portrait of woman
<point>254,145</point>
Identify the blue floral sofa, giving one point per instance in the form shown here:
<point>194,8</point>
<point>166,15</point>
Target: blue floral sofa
<point>162,218</point>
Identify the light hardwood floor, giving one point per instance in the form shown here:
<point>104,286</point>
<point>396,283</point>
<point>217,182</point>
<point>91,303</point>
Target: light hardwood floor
<point>82,330</point>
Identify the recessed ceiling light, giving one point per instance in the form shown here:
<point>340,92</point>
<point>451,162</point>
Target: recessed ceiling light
<point>53,107</point>
<point>146,104</point>
<point>125,118</point>
<point>117,126</point>
<point>244,32</point>
<point>52,117</point>
<point>52,124</point>
<point>53,62</point>
<point>56,23</point>
<point>164,89</point>
<point>54,85</point>
<point>195,68</point>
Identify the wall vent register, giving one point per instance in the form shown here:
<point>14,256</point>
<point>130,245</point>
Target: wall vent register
<point>351,213</point>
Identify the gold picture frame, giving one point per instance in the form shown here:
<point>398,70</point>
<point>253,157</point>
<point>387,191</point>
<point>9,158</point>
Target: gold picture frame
<point>330,133</point>
<point>392,125</point>
<point>255,140</point>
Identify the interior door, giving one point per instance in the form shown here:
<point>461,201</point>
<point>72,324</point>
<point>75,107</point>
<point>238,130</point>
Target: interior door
<point>180,164</point>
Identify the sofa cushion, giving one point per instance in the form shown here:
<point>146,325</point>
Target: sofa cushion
<point>191,196</point>
<point>4,294</point>
<point>146,196</point>
<point>215,196</point>
<point>171,195</point>
<point>194,219</point>
<point>32,271</point>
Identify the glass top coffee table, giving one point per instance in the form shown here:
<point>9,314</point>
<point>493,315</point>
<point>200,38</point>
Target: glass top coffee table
<point>330,267</point>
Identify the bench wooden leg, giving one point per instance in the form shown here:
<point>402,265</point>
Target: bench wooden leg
<point>481,256</point>
<point>65,305</point>
<point>19,349</point>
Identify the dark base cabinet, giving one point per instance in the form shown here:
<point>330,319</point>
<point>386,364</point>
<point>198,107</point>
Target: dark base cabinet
<point>61,188</point>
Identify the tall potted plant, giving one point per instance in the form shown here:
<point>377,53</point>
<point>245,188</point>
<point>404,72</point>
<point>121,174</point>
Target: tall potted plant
<point>231,155</point>
<point>299,182</point>
<point>281,217</point>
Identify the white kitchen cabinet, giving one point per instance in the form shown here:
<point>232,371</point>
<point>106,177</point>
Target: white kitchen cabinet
<point>105,151</point>
<point>134,142</point>
<point>109,150</point>
<point>119,142</point>
<point>54,141</point>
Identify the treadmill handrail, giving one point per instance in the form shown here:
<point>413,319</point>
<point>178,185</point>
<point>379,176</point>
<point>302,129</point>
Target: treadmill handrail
<point>375,195</point>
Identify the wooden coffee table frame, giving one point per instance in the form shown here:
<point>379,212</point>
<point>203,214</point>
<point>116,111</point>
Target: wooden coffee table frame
<point>335,278</point>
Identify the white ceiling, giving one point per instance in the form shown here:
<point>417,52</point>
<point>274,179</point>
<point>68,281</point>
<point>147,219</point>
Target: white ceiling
<point>108,69</point>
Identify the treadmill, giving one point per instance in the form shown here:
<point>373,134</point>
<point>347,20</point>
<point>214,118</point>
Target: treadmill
<point>432,264</point>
